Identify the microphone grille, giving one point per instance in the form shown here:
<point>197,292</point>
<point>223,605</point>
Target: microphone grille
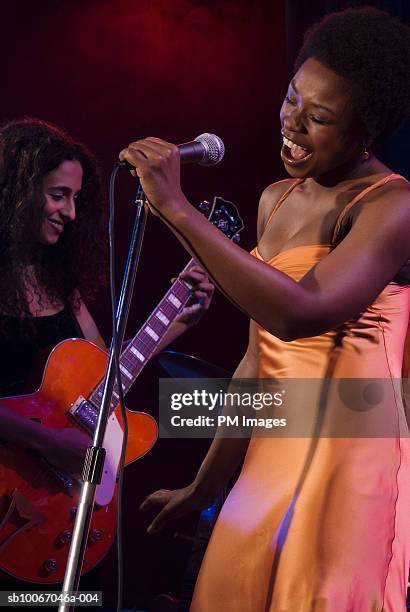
<point>214,149</point>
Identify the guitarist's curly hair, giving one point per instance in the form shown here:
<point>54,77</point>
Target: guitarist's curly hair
<point>29,149</point>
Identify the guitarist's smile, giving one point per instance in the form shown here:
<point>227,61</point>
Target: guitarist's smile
<point>61,188</point>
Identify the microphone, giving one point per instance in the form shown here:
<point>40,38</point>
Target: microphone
<point>205,150</point>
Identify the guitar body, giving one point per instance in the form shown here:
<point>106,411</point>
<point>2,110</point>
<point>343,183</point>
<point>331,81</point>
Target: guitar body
<point>37,503</point>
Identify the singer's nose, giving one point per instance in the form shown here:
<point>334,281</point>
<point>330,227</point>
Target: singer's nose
<point>292,121</point>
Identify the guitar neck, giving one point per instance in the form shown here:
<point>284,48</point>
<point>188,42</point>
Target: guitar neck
<point>144,344</point>
<point>224,215</point>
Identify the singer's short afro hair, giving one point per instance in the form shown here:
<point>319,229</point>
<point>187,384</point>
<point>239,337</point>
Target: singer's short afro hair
<point>371,50</point>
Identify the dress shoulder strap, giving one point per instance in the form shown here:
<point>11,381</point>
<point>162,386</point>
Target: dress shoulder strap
<point>283,197</point>
<point>362,194</point>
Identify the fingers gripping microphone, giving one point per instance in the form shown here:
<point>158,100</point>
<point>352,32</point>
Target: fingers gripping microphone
<point>205,150</point>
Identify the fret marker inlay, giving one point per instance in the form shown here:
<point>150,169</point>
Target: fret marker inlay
<point>137,353</point>
<point>151,333</point>
<point>125,371</point>
<point>160,315</point>
<point>174,300</point>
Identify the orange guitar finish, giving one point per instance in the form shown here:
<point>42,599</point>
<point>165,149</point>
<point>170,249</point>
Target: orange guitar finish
<point>37,510</point>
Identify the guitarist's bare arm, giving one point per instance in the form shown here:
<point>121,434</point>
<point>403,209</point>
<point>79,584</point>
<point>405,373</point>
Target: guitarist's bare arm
<point>88,325</point>
<point>64,448</point>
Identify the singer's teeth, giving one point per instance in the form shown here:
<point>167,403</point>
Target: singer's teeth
<point>291,144</point>
<point>296,151</point>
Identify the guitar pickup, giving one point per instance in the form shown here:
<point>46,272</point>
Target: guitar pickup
<point>84,413</point>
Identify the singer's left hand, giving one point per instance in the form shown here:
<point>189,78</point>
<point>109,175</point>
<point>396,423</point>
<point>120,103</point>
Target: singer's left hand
<point>157,165</point>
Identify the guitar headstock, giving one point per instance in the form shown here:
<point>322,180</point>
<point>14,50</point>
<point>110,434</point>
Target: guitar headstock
<point>224,215</point>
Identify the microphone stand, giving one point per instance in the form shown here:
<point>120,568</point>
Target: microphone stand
<point>94,460</point>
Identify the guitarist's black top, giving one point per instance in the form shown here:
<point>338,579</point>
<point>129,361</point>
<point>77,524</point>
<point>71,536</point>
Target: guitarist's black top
<point>21,352</point>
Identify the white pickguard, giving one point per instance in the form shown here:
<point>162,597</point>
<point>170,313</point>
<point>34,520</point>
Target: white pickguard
<point>112,444</point>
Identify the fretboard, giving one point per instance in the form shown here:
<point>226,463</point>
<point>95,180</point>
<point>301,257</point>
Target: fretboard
<point>140,349</point>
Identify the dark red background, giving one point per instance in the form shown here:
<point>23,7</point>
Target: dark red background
<point>110,71</point>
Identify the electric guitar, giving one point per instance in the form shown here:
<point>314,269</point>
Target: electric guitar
<point>38,503</point>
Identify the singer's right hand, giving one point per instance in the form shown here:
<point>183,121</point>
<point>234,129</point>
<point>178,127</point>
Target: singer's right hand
<point>158,167</point>
<point>171,505</point>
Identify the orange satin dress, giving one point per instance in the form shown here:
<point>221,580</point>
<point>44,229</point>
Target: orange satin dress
<point>317,523</point>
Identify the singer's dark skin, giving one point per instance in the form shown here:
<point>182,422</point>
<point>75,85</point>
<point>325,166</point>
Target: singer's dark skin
<point>317,115</point>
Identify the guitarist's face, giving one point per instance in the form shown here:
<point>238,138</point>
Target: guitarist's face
<point>61,188</point>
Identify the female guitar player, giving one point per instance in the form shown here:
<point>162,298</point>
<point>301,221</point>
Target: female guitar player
<point>53,260</point>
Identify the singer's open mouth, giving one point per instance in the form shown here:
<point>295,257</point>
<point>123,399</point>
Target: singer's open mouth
<point>293,153</point>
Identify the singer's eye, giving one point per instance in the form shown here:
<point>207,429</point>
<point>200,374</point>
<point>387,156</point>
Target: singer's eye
<point>318,120</point>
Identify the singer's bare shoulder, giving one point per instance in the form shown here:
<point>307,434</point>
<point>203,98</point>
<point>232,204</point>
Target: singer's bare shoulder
<point>269,198</point>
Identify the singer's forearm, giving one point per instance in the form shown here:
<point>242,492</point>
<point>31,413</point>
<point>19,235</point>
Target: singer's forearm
<point>334,288</point>
<point>266,295</point>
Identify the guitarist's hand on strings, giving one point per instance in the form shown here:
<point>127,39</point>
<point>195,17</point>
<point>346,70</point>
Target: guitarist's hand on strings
<point>202,292</point>
<point>198,304</point>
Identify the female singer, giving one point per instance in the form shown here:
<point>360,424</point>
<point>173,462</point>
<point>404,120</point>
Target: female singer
<point>317,522</point>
